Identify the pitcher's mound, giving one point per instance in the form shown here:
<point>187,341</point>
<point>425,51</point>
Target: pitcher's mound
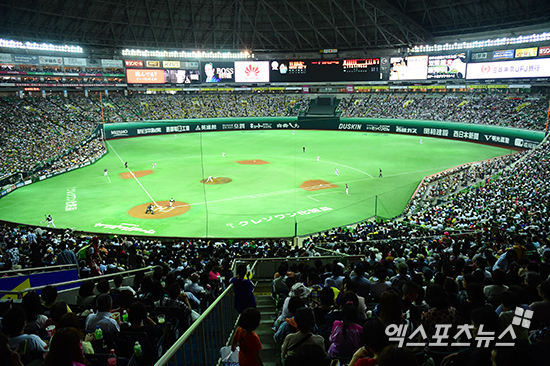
<point>161,212</point>
<point>253,162</point>
<point>317,184</point>
<point>217,180</point>
<point>139,174</point>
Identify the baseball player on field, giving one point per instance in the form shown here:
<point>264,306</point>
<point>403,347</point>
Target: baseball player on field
<point>50,220</point>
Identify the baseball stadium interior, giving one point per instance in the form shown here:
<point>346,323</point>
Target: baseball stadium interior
<point>158,162</point>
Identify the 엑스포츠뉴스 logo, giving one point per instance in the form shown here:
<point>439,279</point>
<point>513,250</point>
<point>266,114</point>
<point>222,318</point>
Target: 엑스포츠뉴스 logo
<point>464,336</point>
<point>252,70</point>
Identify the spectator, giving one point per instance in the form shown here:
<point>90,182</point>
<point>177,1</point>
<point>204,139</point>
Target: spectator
<point>363,284</point>
<point>303,347</point>
<point>70,320</point>
<point>541,309</point>
<point>313,283</point>
<point>375,339</point>
<point>13,325</point>
<point>177,298</point>
<point>35,319</point>
<point>440,312</point>
<point>86,293</point>
<point>9,357</point>
<point>492,292</point>
<point>326,298</point>
<point>279,283</point>
<point>65,349</point>
<point>402,276</point>
<point>397,356</point>
<point>335,280</point>
<point>248,341</point>
<point>66,256</point>
<point>57,311</point>
<point>103,316</point>
<point>117,280</point>
<point>243,289</point>
<point>345,335</point>
<point>194,286</point>
<point>298,290</point>
<point>289,325</point>
<point>138,321</point>
<point>379,284</point>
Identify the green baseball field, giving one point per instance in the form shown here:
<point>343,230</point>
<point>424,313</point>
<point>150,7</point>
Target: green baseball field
<point>240,184</point>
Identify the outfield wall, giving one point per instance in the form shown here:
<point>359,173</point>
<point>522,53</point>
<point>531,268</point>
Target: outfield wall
<point>503,136</point>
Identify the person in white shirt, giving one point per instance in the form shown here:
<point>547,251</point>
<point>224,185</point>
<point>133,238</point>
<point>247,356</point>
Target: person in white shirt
<point>103,316</point>
<point>13,324</point>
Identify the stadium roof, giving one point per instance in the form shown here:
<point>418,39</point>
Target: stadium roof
<point>262,25</point>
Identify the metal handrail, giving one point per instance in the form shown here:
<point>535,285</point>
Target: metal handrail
<point>20,292</point>
<point>197,325</point>
<point>37,269</point>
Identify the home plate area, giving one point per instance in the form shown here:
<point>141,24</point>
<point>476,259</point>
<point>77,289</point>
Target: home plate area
<point>162,211</point>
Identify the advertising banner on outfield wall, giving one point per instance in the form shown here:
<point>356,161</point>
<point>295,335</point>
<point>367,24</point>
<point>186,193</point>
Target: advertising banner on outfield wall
<point>509,69</point>
<point>25,59</point>
<point>71,61</point>
<point>6,58</point>
<point>114,64</point>
<point>544,52</point>
<point>484,134</point>
<point>54,61</point>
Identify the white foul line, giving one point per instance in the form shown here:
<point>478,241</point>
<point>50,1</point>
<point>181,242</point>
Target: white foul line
<point>321,194</point>
<point>137,180</point>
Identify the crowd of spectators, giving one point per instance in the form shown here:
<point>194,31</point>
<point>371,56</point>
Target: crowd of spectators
<point>440,186</point>
<point>474,260</point>
<point>528,112</point>
<point>35,131</point>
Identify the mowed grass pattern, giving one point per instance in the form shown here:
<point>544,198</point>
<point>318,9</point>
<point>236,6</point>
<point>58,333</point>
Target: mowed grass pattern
<point>262,200</point>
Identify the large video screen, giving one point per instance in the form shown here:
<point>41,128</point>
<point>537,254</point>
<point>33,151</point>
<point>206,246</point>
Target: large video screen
<point>409,68</point>
<point>447,66</point>
<point>144,76</point>
<point>182,76</point>
<point>252,71</point>
<point>509,69</point>
<point>325,70</point>
<point>217,72</point>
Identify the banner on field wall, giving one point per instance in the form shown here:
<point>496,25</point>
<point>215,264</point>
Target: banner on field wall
<point>18,283</point>
<point>485,134</point>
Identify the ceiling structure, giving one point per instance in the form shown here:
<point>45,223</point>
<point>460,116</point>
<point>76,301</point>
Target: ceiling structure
<point>261,25</point>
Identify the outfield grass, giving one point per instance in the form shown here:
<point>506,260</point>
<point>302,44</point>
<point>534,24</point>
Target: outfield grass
<point>262,200</point>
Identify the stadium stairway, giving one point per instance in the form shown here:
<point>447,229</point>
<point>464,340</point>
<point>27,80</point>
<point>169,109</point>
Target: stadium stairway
<point>266,305</point>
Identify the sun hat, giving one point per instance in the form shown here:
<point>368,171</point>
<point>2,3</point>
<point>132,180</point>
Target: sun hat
<point>299,290</point>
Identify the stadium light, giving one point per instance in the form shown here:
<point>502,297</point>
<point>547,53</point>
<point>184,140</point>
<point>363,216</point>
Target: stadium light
<point>187,54</point>
<point>39,46</point>
<point>538,37</point>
